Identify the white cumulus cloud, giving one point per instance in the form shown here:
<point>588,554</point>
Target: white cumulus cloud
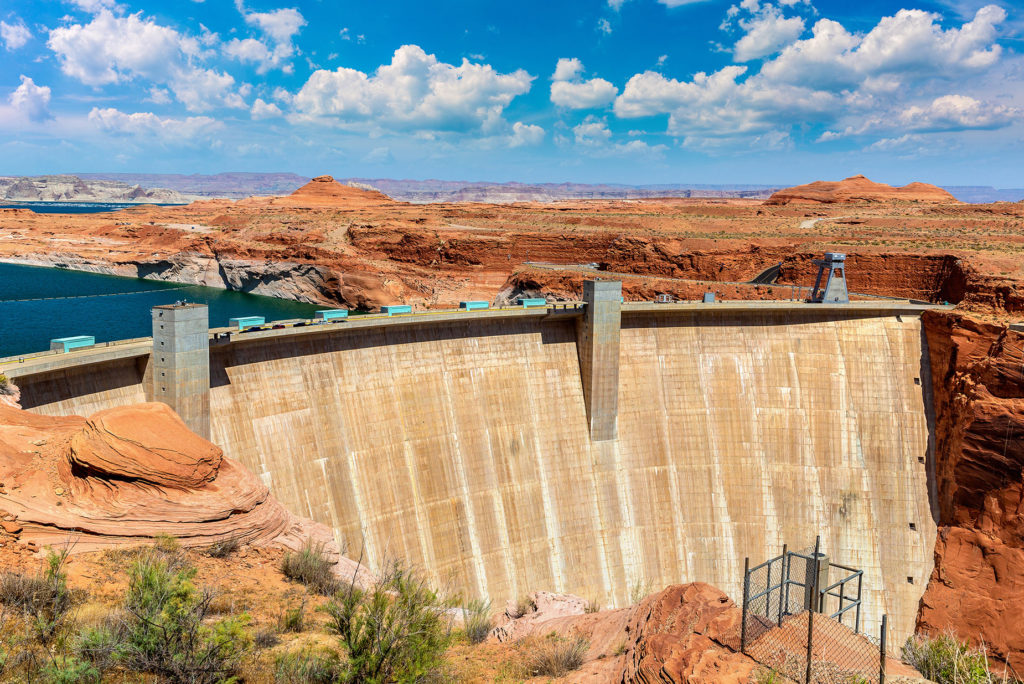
<point>116,49</point>
<point>147,124</point>
<point>956,113</point>
<point>279,27</point>
<point>94,6</point>
<point>14,35</point>
<point>896,74</point>
<point>908,45</point>
<point>525,135</point>
<point>264,110</point>
<point>591,132</point>
<point>765,33</point>
<point>415,91</point>
<point>570,91</point>
<point>31,100</point>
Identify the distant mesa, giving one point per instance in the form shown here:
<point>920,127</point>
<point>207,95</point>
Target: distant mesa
<point>859,189</point>
<point>324,191</point>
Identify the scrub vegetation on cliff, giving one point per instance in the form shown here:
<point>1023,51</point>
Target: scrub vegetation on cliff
<point>165,618</point>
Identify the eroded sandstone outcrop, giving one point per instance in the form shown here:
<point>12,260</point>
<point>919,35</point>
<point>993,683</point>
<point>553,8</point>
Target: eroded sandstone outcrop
<point>859,189</point>
<point>325,191</point>
<point>129,473</point>
<point>977,586</point>
<point>686,633</point>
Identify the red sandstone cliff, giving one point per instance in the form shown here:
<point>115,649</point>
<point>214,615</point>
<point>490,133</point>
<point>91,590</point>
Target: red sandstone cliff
<point>977,586</point>
<point>859,189</point>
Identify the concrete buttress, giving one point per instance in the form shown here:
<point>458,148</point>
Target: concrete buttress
<point>597,339</point>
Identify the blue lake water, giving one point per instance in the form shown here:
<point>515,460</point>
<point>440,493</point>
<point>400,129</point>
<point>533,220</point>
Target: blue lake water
<point>70,303</point>
<point>74,207</point>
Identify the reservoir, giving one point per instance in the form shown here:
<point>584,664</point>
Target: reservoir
<point>75,207</point>
<point>39,304</point>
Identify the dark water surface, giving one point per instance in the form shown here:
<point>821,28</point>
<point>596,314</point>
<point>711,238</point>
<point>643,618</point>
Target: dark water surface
<point>108,307</point>
<point>74,207</point>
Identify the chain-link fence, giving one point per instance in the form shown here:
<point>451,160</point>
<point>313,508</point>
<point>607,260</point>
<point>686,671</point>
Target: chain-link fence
<point>802,618</point>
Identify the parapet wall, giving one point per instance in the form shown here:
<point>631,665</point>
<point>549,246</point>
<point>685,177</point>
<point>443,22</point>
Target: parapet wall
<point>463,445</point>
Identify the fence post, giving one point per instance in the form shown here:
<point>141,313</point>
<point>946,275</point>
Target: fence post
<point>746,596</point>
<point>860,582</point>
<point>881,650</point>
<point>783,581</point>
<point>810,612</point>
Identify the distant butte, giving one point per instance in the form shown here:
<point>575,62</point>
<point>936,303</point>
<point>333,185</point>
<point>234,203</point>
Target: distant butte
<point>859,189</point>
<point>324,191</point>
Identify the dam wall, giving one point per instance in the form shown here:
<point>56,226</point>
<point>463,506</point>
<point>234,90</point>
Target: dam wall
<point>463,444</point>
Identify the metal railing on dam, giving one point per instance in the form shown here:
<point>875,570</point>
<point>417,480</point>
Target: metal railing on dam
<point>464,442</point>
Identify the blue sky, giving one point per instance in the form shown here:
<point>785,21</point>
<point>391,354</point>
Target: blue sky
<point>629,91</point>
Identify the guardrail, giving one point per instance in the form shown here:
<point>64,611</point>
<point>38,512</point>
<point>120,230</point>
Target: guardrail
<point>22,358</point>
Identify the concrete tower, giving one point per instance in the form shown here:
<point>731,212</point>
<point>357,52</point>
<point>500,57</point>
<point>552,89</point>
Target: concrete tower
<point>597,338</point>
<point>834,291</point>
<point>181,362</point>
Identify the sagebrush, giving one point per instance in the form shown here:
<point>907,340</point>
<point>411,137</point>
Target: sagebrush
<point>944,659</point>
<point>395,630</point>
<point>311,565</point>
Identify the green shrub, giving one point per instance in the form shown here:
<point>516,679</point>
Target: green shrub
<point>311,566</point>
<point>166,543</point>
<point>592,606</point>
<point>946,660</point>
<point>166,633</point>
<point>223,548</point>
<point>394,631</point>
<point>524,606</point>
<point>292,619</point>
<point>638,591</point>
<point>99,645</point>
<point>312,667</point>
<point>45,598</point>
<point>476,616</point>
<point>556,656</point>
<point>69,670</point>
<point>265,638</point>
<point>768,676</point>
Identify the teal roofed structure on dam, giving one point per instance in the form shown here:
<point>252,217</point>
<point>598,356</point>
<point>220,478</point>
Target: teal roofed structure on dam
<point>66,344</point>
<point>247,321</point>
<point>331,314</point>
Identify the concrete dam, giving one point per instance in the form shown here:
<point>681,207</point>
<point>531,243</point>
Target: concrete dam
<point>595,449</point>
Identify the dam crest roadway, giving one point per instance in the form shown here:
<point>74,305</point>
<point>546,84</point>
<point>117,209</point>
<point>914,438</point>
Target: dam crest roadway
<point>588,447</point>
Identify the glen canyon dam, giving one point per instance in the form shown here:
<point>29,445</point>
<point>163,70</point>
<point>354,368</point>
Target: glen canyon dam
<point>596,447</point>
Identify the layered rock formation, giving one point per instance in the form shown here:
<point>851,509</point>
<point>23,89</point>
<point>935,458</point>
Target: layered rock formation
<point>337,245</point>
<point>977,586</point>
<point>324,191</point>
<point>127,474</point>
<point>686,633</point>
<point>73,189</point>
<point>859,189</point>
